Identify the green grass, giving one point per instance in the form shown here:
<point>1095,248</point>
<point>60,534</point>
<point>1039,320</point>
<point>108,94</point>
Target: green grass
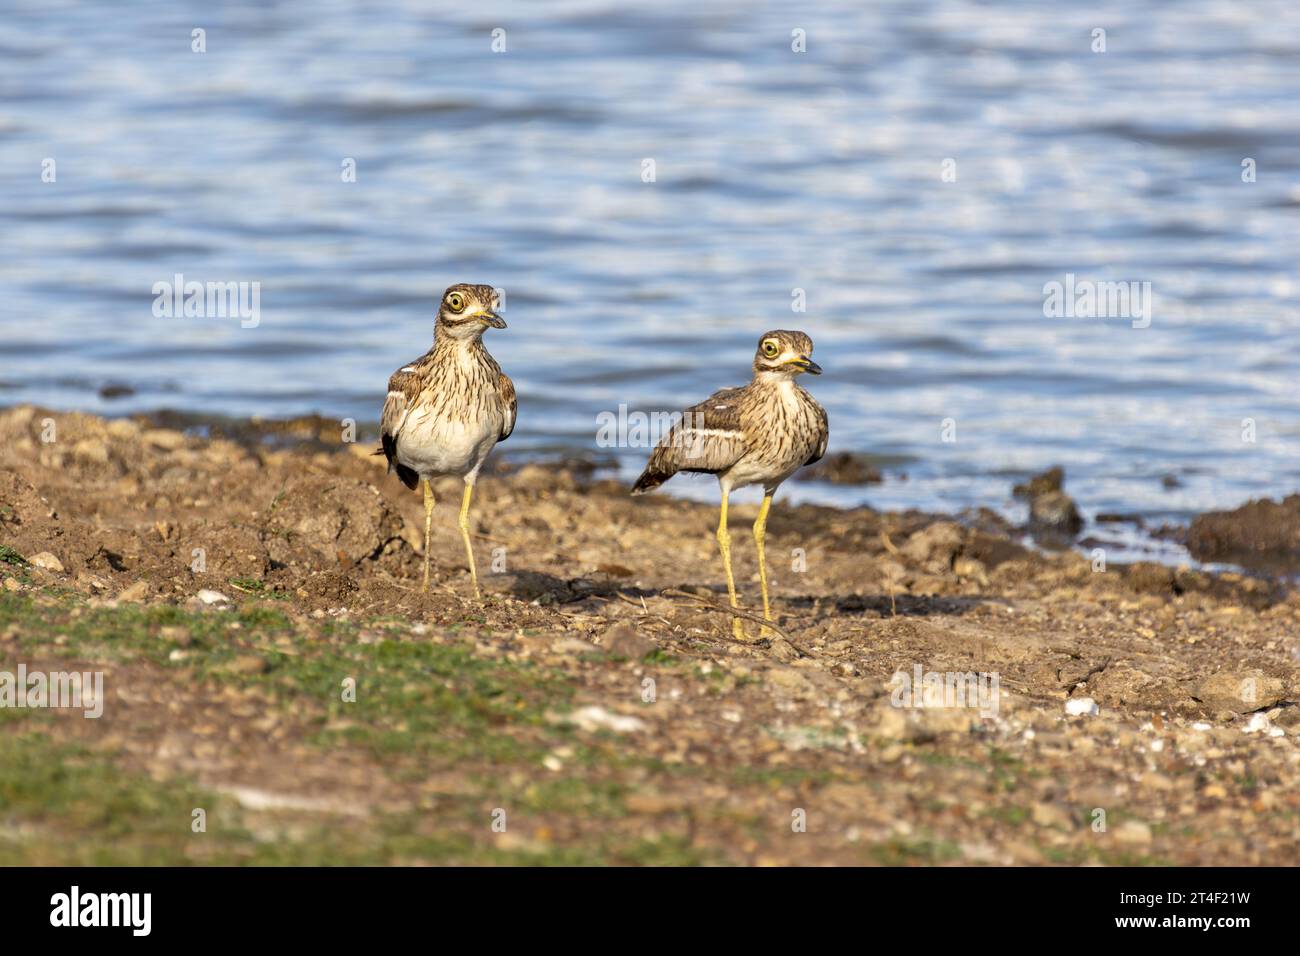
<point>421,706</point>
<point>1076,855</point>
<point>914,851</point>
<point>65,805</point>
<point>68,805</point>
<point>773,778</point>
<point>257,588</point>
<point>422,698</point>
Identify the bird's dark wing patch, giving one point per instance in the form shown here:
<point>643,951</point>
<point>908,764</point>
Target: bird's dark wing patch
<point>509,405</point>
<point>708,439</point>
<point>403,390</point>
<point>823,435</point>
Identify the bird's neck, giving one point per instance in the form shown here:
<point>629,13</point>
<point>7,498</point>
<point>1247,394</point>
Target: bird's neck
<point>459,347</point>
<point>775,382</point>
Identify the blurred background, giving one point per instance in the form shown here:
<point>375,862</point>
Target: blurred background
<point>775,171</point>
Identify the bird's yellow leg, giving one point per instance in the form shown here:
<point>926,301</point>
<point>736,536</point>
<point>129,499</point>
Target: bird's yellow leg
<point>428,523</point>
<point>464,533</point>
<point>760,533</point>
<point>724,545</point>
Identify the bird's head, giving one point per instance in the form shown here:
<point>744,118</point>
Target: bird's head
<point>784,353</point>
<point>467,310</point>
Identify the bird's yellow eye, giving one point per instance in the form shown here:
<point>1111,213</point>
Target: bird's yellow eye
<point>456,302</point>
<point>770,348</point>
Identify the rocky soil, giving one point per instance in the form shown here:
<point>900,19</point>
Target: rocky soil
<point>593,707</point>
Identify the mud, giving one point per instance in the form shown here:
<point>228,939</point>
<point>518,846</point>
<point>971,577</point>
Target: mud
<point>604,590</point>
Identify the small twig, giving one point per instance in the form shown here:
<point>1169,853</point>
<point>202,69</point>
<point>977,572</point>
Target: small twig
<point>645,611</point>
<point>736,612</point>
<point>394,581</point>
<point>1097,669</point>
<point>623,597</point>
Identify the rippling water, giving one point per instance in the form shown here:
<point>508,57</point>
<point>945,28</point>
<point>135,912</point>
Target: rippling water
<point>775,171</point>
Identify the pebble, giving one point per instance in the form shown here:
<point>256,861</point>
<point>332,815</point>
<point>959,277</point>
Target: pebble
<point>572,645</point>
<point>176,634</point>
<point>136,592</point>
<point>788,678</point>
<point>1055,511</point>
<point>122,428</point>
<point>1133,833</point>
<point>1260,724</point>
<point>598,718</point>
<point>971,569</point>
<point>1082,707</point>
<point>624,640</point>
<point>247,664</point>
<point>164,438</point>
<point>1239,692</point>
<point>91,450</point>
<point>938,542</point>
<point>1050,815</point>
<point>47,561</point>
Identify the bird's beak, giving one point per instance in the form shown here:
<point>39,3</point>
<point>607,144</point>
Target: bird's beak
<point>492,319</point>
<point>805,364</point>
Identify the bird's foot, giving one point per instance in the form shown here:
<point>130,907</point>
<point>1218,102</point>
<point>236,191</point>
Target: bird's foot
<point>739,633</point>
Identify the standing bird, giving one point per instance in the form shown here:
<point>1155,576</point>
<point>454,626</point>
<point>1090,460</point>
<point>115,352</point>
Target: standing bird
<point>447,409</point>
<point>761,433</point>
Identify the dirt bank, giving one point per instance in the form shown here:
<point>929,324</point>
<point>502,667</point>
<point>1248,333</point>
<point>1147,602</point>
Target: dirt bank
<point>594,703</point>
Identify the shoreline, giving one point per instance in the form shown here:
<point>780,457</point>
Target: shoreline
<point>1165,696</point>
<point>1144,535</point>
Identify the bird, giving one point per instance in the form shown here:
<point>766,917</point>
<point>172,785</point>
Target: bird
<point>760,433</point>
<point>448,409</point>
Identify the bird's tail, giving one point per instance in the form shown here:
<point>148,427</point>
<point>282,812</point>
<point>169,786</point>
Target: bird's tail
<point>650,479</point>
<point>658,469</point>
<point>404,474</point>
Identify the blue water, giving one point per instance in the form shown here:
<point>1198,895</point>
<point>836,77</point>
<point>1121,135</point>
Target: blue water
<point>774,170</point>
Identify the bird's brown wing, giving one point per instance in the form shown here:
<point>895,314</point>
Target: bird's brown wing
<point>509,405</point>
<point>823,435</point>
<point>708,439</point>
<point>403,390</point>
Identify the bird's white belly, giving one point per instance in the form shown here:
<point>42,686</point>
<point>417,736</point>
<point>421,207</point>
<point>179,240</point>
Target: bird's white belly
<point>777,456</point>
<point>750,471</point>
<point>436,446</point>
<point>756,471</point>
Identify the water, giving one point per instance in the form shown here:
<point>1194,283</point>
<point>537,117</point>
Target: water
<point>774,171</point>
